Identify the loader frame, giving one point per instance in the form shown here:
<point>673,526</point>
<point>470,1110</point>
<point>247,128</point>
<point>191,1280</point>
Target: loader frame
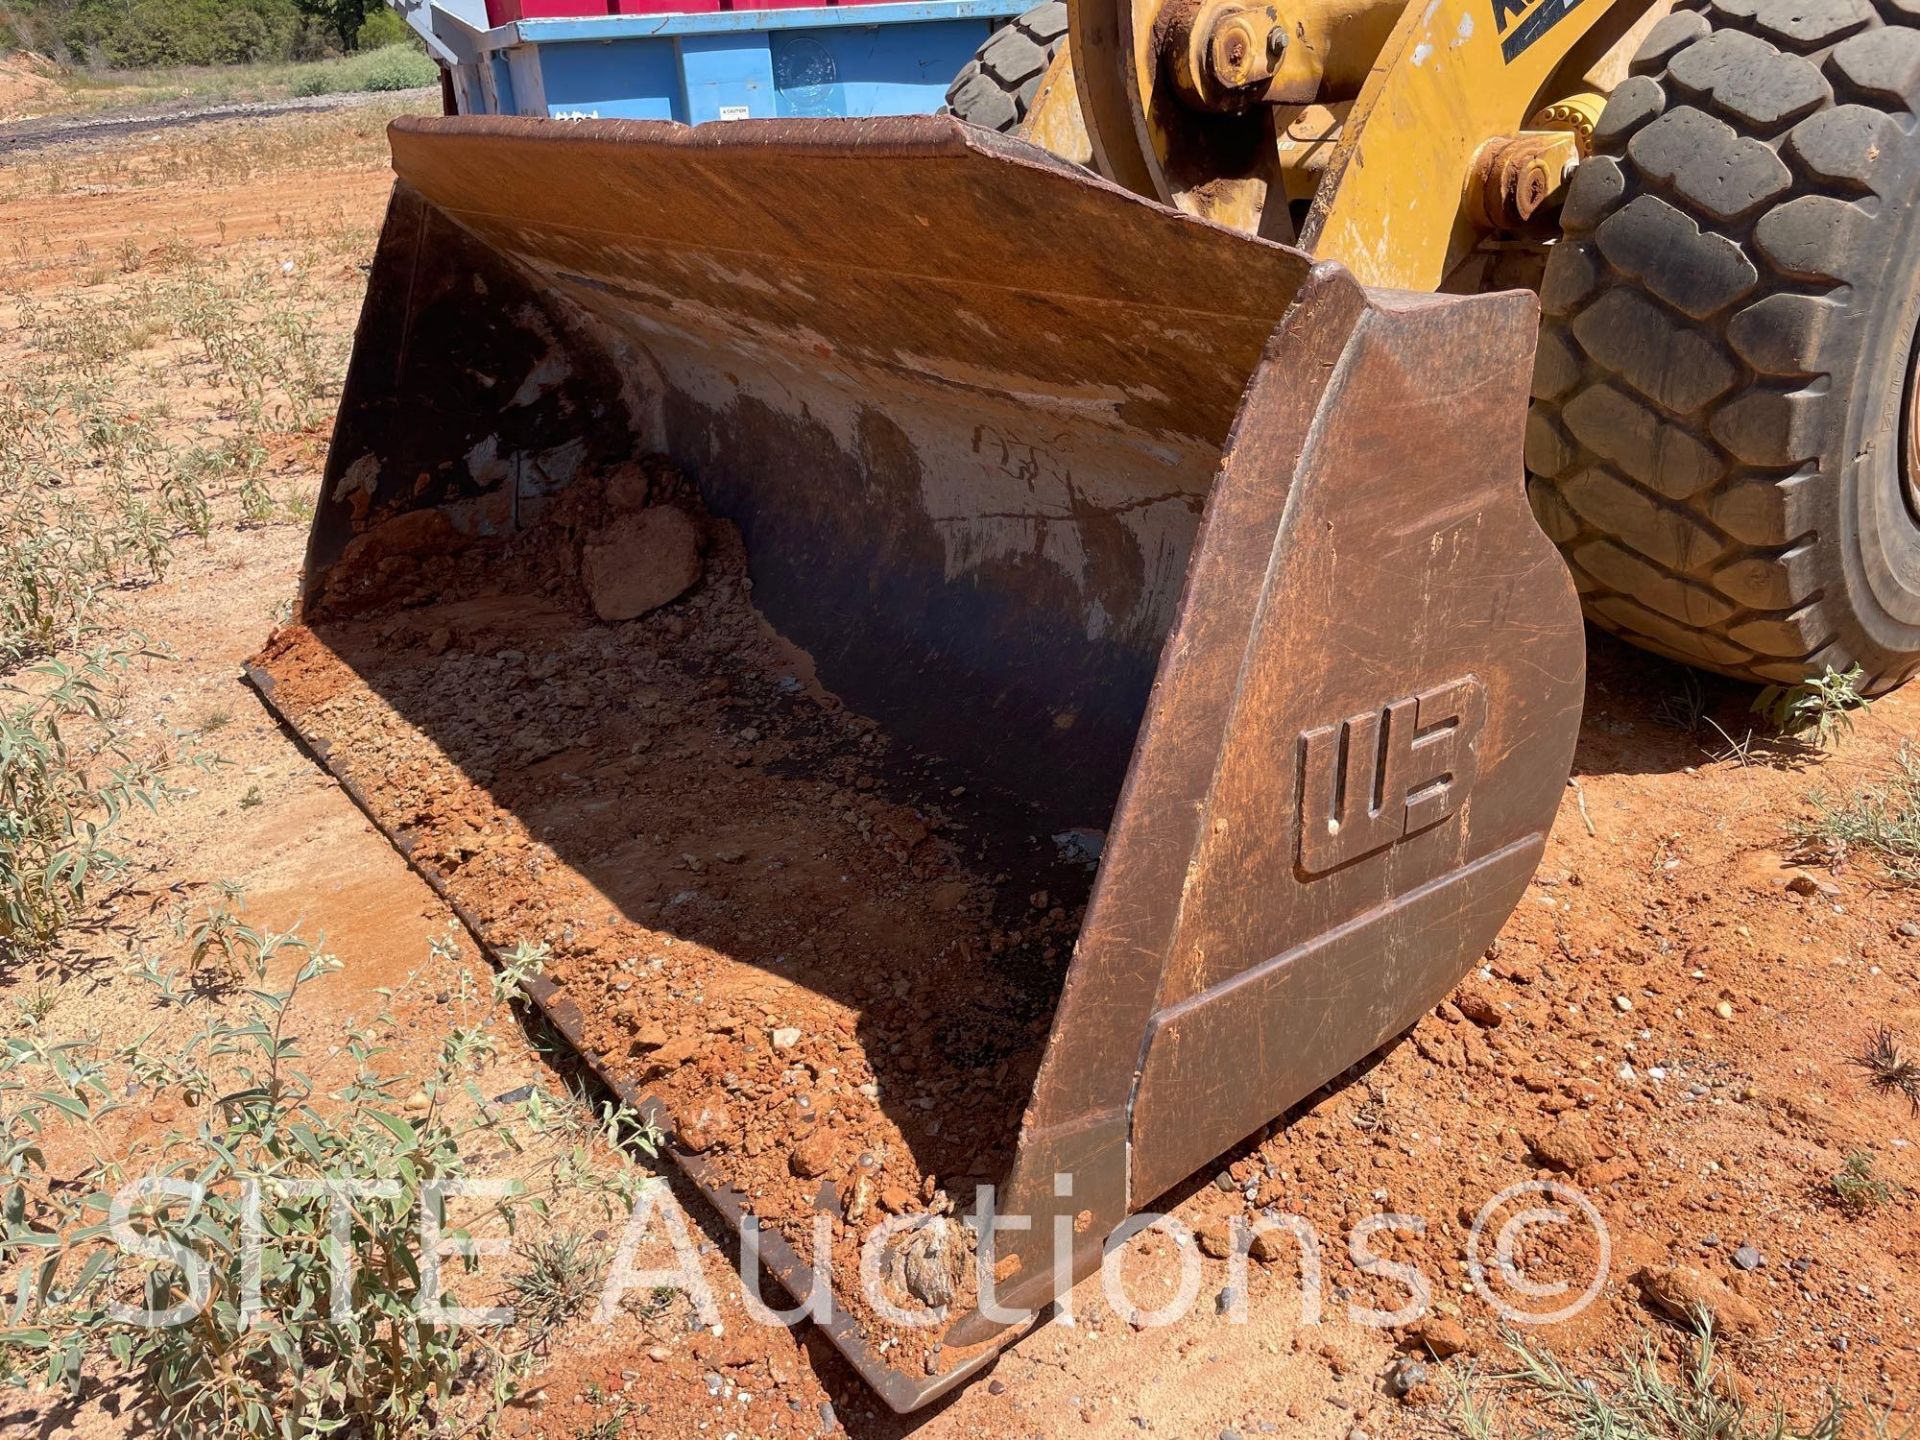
<point>1432,117</point>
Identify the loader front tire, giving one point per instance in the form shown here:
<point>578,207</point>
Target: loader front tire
<point>996,88</point>
<point>1723,438</point>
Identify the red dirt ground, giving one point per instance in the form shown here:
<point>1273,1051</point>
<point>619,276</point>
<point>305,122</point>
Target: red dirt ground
<point>1669,1022</point>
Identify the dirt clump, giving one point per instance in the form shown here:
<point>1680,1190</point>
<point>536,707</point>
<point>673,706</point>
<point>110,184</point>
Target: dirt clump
<point>641,561</point>
<point>1440,1336</point>
<point>1687,1294</point>
<point>1568,1146</point>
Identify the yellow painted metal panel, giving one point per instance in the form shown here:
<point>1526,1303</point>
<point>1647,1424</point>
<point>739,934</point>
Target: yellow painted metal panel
<point>1454,74</point>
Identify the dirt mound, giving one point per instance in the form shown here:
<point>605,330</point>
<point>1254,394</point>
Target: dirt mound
<point>28,82</point>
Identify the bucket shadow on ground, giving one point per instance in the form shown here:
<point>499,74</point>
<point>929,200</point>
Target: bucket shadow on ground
<point>1650,716</point>
<point>619,792</point>
<point>715,856</point>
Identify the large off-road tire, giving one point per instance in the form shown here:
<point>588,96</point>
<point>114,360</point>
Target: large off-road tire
<point>1722,440</point>
<point>996,87</point>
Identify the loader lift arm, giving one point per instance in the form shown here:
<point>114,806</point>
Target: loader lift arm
<point>1437,102</point>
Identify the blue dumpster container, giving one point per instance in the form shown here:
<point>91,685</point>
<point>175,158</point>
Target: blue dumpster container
<point>896,57</point>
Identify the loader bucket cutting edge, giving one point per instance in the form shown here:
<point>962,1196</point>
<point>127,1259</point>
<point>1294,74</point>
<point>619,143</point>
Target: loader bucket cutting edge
<point>1156,529</point>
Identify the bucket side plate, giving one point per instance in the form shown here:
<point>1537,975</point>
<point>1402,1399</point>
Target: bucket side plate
<point>1358,740</point>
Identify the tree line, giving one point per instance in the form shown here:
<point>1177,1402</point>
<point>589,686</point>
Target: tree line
<point>141,34</point>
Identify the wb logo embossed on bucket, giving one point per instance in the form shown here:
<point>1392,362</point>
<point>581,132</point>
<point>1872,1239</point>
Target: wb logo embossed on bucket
<point>1380,777</point>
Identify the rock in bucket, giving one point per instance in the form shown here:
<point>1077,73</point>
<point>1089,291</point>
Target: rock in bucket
<point>641,561</point>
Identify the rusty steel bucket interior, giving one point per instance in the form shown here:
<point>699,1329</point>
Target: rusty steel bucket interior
<point>1192,587</point>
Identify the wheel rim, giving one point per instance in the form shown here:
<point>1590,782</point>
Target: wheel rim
<point>1910,431</point>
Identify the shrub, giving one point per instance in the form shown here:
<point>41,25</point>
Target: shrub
<point>147,33</point>
<point>400,67</point>
<point>1890,1068</point>
<point>1856,1189</point>
<point>1881,818</point>
<point>68,772</point>
<point>381,28</point>
<point>231,1251</point>
<point>394,67</point>
<point>562,1275</point>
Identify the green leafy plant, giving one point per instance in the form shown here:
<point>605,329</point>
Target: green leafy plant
<point>53,569</point>
<point>561,1276</point>
<point>1819,708</point>
<point>37,1004</point>
<point>68,773</point>
<point>518,966</point>
<point>146,535</point>
<point>1855,1187</point>
<point>187,503</point>
<point>609,1426</point>
<point>225,1229</point>
<point>257,505</point>
<point>1881,818</point>
<point>207,471</point>
<point>219,932</point>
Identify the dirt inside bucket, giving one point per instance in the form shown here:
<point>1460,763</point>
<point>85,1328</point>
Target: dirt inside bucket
<point>834,961</point>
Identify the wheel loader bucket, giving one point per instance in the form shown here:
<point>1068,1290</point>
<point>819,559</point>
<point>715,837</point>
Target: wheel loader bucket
<point>1114,544</point>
